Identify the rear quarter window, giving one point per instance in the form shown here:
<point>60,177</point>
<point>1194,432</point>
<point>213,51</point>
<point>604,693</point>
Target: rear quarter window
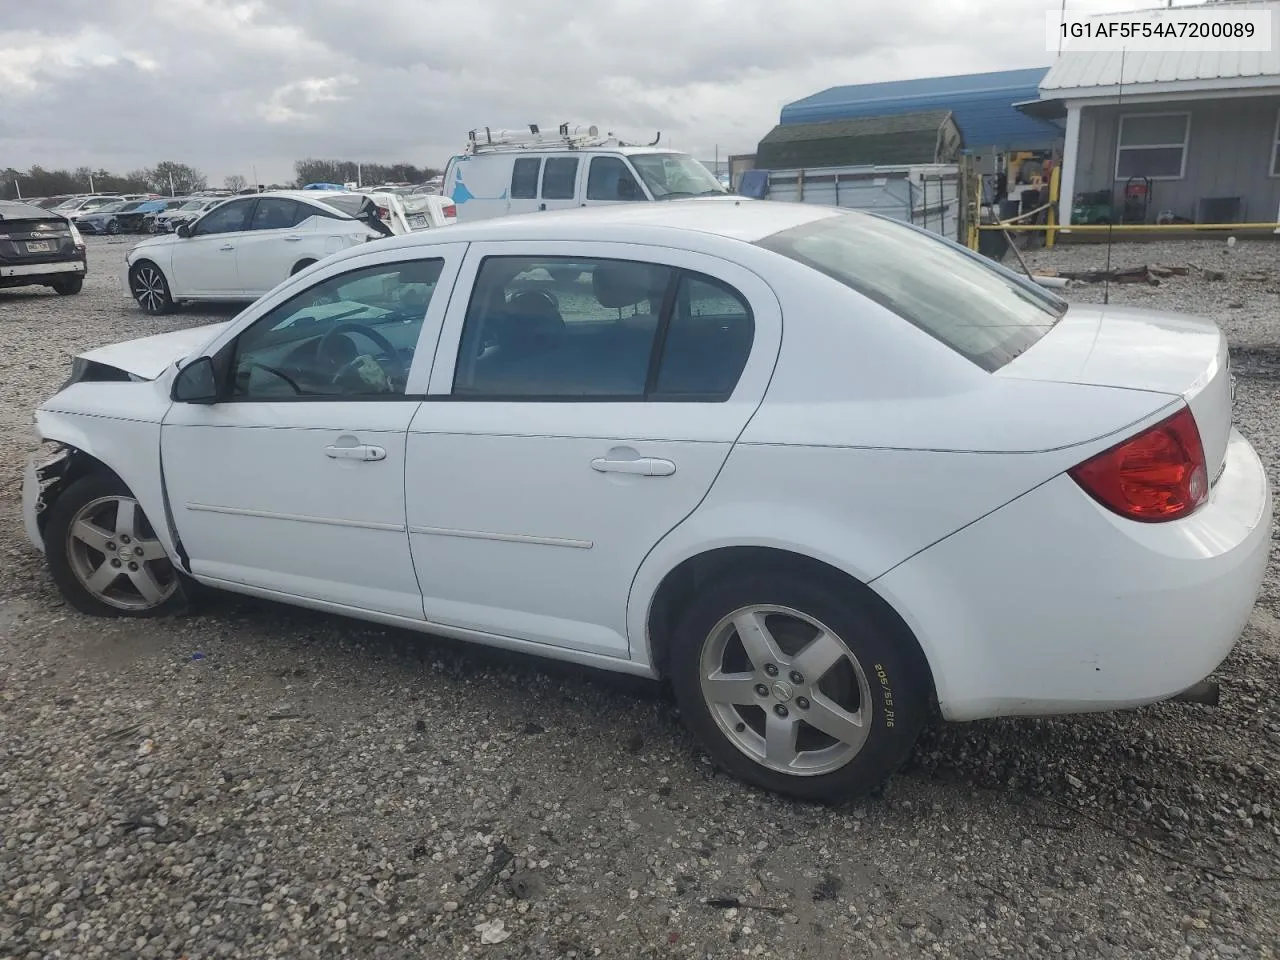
<point>981,310</point>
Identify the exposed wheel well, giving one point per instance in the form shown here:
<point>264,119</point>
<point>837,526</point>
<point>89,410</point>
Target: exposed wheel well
<point>300,266</point>
<point>680,585</point>
<point>64,472</point>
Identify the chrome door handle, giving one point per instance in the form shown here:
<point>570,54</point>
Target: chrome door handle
<point>644,466</point>
<point>362,451</point>
<point>292,239</point>
<point>226,247</point>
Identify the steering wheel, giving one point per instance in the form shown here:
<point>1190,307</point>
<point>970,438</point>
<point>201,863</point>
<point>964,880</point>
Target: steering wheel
<point>383,344</point>
<point>546,295</point>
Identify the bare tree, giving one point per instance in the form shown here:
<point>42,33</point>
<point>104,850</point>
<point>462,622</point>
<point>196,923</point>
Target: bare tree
<point>235,182</point>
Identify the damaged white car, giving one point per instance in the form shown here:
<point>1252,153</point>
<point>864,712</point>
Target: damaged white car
<point>824,472</point>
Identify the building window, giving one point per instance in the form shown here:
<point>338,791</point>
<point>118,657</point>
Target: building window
<point>1275,148</point>
<point>1153,145</point>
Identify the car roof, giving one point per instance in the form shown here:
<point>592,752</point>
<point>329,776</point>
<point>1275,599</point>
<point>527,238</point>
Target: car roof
<point>730,217</point>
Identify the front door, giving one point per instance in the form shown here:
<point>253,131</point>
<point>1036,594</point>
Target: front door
<point>583,399</point>
<point>204,263</point>
<point>294,483</point>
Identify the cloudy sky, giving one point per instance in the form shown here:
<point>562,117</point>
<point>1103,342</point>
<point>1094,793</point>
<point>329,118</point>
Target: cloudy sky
<point>228,85</point>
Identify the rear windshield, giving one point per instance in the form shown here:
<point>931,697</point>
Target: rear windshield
<point>980,309</point>
<point>349,203</point>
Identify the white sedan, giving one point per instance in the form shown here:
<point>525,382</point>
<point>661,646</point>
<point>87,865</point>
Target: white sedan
<point>243,247</point>
<point>822,471</point>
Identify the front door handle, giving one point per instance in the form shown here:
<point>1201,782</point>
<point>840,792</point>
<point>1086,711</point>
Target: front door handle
<point>644,466</point>
<point>360,451</point>
<point>226,246</point>
<point>292,238</point>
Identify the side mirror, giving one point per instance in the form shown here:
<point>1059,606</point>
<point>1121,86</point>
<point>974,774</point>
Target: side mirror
<point>197,382</point>
<point>184,230</point>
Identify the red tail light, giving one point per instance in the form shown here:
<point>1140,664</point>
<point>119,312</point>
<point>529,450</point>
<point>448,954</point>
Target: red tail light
<point>450,210</point>
<point>1158,475</point>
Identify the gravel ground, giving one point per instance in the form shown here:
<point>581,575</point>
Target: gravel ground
<point>313,787</point>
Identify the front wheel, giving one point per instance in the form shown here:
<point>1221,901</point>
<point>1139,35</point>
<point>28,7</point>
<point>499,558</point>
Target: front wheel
<point>150,289</point>
<point>113,227</point>
<point>104,554</point>
<point>797,687</point>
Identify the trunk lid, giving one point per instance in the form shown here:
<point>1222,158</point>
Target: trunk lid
<point>1136,349</point>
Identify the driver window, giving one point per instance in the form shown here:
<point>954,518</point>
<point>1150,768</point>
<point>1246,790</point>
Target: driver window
<point>349,336</point>
<point>227,218</point>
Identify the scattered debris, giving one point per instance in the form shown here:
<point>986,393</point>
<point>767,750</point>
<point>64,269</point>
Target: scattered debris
<point>492,931</point>
<point>145,748</point>
<point>733,903</point>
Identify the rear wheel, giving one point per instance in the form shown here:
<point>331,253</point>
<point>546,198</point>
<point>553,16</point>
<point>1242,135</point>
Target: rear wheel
<point>796,687</point>
<point>68,286</point>
<point>104,554</point>
<point>149,288</point>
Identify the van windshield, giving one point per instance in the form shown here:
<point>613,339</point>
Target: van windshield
<point>977,307</point>
<point>670,176</point>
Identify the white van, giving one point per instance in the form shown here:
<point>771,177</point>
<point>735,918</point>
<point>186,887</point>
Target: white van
<point>504,172</point>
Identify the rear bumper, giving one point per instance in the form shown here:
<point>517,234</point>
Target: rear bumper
<point>1053,604</point>
<point>21,274</point>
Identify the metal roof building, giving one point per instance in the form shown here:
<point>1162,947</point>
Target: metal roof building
<point>1200,130</point>
<point>982,105</point>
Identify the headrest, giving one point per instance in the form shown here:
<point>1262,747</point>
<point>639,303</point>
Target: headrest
<point>625,284</point>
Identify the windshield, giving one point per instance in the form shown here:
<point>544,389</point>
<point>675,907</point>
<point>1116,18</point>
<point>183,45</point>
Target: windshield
<point>981,310</point>
<point>194,205</point>
<point>670,176</point>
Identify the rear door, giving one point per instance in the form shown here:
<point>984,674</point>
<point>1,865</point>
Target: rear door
<point>582,401</point>
<point>267,252</point>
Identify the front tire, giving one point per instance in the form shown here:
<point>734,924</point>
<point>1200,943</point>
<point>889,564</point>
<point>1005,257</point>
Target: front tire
<point>113,228</point>
<point>104,554</point>
<point>797,687</point>
<point>150,288</point>
<point>68,287</point>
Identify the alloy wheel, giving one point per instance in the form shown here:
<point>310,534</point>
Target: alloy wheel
<point>116,556</point>
<point>149,288</point>
<point>785,690</point>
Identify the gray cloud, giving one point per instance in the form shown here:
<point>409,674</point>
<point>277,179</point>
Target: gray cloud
<point>232,85</point>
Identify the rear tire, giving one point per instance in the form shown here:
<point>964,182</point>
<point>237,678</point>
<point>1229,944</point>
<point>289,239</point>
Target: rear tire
<point>300,266</point>
<point>150,288</point>
<point>844,695</point>
<point>104,555</point>
<point>65,288</point>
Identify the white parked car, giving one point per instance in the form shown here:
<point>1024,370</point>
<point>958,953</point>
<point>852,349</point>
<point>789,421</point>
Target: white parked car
<point>822,470</point>
<point>244,246</point>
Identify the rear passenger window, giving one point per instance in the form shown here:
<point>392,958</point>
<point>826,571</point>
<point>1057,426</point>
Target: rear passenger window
<point>559,328</point>
<point>552,327</point>
<point>524,178</point>
<point>559,175</point>
<point>708,340</point>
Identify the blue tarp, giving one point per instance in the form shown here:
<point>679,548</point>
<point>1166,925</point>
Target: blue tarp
<point>755,184</point>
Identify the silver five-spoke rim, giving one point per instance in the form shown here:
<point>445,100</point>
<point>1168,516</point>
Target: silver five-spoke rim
<point>785,690</point>
<point>148,287</point>
<point>114,553</point>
